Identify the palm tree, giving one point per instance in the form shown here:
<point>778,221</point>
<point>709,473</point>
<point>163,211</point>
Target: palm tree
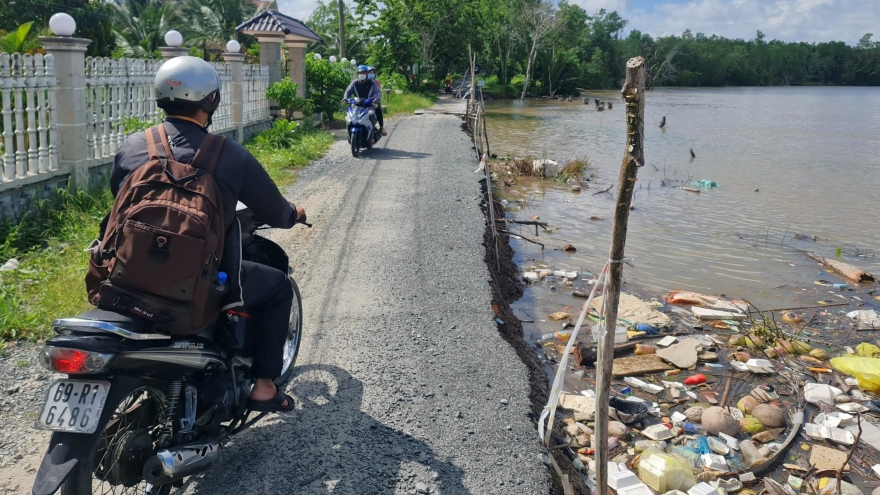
<point>212,22</point>
<point>140,25</point>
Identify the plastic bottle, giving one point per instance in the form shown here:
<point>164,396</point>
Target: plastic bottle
<point>691,428</point>
<point>562,336</point>
<point>750,454</point>
<point>220,285</point>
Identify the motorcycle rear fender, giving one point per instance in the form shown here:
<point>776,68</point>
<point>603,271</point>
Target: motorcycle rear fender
<point>66,450</point>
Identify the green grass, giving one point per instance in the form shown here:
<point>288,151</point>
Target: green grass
<point>282,163</point>
<point>407,103</point>
<point>50,244</point>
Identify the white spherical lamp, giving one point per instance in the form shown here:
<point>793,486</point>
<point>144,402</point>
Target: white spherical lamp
<point>354,62</point>
<point>344,60</point>
<point>173,38</point>
<point>317,56</point>
<point>332,59</point>
<point>233,46</point>
<point>62,24</point>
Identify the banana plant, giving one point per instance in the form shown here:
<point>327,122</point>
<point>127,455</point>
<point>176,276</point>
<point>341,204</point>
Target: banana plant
<point>17,41</point>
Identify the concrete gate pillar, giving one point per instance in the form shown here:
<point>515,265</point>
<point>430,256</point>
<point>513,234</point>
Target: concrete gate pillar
<point>270,56</point>
<point>70,71</point>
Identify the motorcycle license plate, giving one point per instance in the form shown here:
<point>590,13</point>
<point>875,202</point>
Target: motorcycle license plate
<point>73,406</point>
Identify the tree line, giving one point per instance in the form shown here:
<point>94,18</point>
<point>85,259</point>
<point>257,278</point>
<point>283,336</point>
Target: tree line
<point>536,47</point>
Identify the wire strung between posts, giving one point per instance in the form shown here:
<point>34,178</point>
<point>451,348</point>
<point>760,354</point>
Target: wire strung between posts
<point>549,412</point>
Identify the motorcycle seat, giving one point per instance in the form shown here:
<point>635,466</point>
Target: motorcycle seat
<point>117,319</point>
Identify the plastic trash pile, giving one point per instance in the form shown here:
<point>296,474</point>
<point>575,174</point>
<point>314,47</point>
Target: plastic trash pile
<point>741,404</point>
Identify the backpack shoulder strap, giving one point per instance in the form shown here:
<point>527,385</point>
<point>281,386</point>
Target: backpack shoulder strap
<point>157,142</point>
<point>209,153</point>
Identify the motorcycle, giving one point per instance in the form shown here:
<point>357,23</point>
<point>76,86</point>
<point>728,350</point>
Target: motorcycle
<point>361,132</point>
<point>140,411</point>
<point>448,88</point>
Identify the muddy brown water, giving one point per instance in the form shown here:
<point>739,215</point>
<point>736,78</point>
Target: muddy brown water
<point>787,161</point>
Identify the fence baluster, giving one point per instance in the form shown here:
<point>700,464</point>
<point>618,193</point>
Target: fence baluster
<point>42,85</point>
<point>8,172</point>
<point>52,107</point>
<point>18,110</point>
<point>30,81</point>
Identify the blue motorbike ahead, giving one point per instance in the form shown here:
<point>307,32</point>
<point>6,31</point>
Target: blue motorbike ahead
<point>361,132</point>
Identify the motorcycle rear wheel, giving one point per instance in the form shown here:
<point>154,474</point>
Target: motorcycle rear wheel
<point>137,418</point>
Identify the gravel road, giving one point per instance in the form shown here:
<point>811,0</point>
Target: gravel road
<point>403,384</point>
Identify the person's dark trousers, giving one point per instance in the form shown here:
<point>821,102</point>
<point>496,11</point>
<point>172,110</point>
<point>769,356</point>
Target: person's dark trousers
<point>379,116</point>
<point>268,296</point>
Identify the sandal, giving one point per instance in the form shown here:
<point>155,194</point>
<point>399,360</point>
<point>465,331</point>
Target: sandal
<point>275,404</point>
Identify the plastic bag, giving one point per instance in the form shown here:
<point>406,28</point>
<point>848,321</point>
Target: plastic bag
<point>664,472</point>
<point>867,350</point>
<point>866,370</point>
<point>828,486</point>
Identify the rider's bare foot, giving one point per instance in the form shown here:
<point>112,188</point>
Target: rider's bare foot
<point>265,389</point>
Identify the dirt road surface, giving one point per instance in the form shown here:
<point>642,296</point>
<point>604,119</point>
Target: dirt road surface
<point>403,384</point>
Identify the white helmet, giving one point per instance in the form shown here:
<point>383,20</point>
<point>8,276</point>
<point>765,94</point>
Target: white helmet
<point>188,81</point>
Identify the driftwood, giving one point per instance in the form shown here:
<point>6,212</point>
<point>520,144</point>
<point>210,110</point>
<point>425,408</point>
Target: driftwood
<point>521,237</point>
<point>543,225</point>
<point>690,189</point>
<point>604,190</point>
<point>848,271</point>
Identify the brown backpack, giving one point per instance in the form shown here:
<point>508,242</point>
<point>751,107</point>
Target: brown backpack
<point>162,246</point>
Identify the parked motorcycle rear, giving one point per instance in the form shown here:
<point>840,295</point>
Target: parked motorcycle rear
<point>139,410</point>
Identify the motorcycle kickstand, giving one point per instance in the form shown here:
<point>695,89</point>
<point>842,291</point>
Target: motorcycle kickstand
<point>245,424</point>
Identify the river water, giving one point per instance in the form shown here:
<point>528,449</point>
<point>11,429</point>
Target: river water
<point>787,161</point>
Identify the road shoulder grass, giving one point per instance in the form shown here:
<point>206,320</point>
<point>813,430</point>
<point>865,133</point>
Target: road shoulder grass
<point>49,243</point>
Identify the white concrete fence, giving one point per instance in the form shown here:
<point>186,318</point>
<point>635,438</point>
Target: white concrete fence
<point>62,115</point>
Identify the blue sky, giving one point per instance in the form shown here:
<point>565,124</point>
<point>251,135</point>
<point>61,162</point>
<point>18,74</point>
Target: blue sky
<point>789,20</point>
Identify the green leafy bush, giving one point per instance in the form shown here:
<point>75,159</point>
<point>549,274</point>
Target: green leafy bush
<point>325,84</point>
<point>284,92</point>
<point>19,40</point>
<point>395,81</point>
<point>134,124</point>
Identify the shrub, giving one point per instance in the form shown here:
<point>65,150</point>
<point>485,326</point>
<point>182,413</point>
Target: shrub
<point>284,92</point>
<point>325,84</point>
<point>282,134</point>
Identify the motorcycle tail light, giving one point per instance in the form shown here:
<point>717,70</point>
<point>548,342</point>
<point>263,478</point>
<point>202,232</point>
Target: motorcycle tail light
<point>73,361</point>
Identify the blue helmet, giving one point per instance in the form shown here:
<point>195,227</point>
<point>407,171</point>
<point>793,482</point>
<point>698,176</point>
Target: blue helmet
<point>363,68</point>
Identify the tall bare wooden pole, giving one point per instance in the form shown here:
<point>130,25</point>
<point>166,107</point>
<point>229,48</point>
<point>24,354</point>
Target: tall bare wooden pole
<point>633,158</point>
<point>341,29</point>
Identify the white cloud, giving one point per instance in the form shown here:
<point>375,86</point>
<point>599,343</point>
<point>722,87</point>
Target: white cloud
<point>298,9</point>
<point>789,20</point>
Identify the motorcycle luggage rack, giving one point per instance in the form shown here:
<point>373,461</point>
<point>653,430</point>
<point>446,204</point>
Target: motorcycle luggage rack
<point>95,326</point>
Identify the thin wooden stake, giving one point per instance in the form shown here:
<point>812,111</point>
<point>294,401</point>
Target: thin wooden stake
<point>633,158</point>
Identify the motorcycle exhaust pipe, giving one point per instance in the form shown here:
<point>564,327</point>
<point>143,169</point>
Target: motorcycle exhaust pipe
<point>176,463</point>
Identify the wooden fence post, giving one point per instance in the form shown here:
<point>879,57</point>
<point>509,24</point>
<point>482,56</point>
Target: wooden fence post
<point>633,158</point>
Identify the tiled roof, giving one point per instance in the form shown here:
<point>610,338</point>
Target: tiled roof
<point>270,21</point>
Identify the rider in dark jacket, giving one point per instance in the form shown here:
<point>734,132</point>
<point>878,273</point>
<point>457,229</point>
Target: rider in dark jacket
<point>364,88</point>
<point>188,90</point>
